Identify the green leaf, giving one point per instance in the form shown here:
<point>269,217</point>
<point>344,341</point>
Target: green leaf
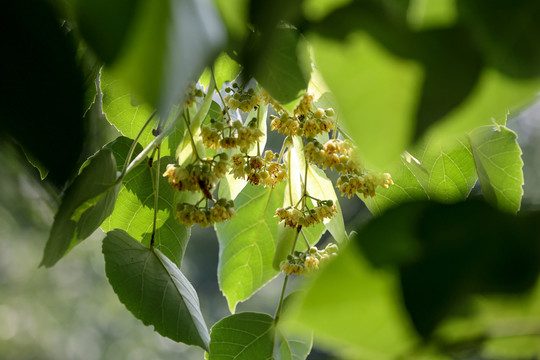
<point>114,19</point>
<point>450,174</point>
<point>240,336</point>
<point>251,335</point>
<point>284,69</point>
<point>154,289</point>
<point>225,69</point>
<point>354,309</point>
<point>288,347</point>
<point>406,188</point>
<point>366,78</point>
<point>86,203</point>
<point>155,62</point>
<point>128,114</point>
<point>235,16</point>
<point>134,212</point>
<point>498,163</point>
<point>247,243</point>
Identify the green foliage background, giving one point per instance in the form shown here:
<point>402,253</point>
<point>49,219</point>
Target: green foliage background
<point>435,78</point>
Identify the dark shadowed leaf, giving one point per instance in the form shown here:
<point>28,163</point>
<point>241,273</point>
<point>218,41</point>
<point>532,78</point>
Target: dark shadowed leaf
<point>105,25</point>
<point>86,203</point>
<point>41,105</point>
<point>513,48</point>
<point>445,253</point>
<point>154,289</point>
<point>284,67</point>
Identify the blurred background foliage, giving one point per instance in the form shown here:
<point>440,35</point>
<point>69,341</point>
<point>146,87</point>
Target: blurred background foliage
<point>420,63</point>
<point>71,312</point>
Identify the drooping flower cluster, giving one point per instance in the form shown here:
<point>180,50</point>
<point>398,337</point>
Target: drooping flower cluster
<point>238,135</point>
<point>257,169</point>
<point>366,184</point>
<point>334,154</point>
<point>306,120</point>
<point>198,176</point>
<point>293,217</point>
<point>307,262</point>
<point>243,99</point>
<point>189,214</point>
<point>340,156</point>
<point>309,125</point>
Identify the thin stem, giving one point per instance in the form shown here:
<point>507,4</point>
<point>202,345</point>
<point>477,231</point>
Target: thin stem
<point>278,311</point>
<point>304,193</point>
<point>305,238</point>
<point>133,145</point>
<point>193,146</point>
<point>169,129</point>
<point>343,133</point>
<point>282,151</point>
<point>220,96</point>
<point>258,124</point>
<point>290,180</point>
<point>313,197</point>
<point>156,196</point>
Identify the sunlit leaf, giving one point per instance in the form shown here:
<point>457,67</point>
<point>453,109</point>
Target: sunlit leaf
<point>248,242</point>
<point>154,289</point>
<point>498,163</point>
<point>86,203</point>
<point>376,92</point>
<point>357,309</point>
<point>128,114</point>
<point>134,212</point>
<point>406,188</point>
<point>450,174</point>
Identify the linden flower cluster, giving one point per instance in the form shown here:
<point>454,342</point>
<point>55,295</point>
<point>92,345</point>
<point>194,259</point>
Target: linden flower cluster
<point>229,137</point>
<point>293,217</point>
<point>306,120</point>
<point>199,176</point>
<point>257,169</point>
<point>366,184</point>
<point>242,99</point>
<point>339,155</point>
<point>189,214</point>
<point>334,154</point>
<point>305,263</point>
